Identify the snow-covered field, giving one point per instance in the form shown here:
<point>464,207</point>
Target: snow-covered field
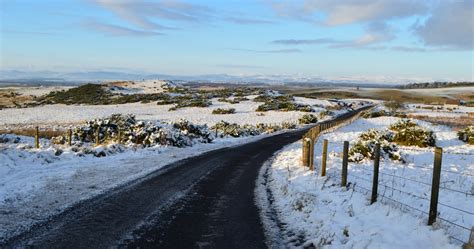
<point>316,210</point>
<point>64,115</point>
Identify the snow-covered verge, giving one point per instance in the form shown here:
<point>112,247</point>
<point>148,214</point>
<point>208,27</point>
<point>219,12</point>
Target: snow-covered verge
<point>316,210</point>
<point>37,184</point>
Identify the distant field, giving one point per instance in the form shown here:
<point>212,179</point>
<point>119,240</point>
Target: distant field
<point>439,95</point>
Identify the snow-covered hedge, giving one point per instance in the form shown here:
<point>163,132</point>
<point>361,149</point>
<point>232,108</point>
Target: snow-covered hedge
<point>126,129</point>
<point>467,134</point>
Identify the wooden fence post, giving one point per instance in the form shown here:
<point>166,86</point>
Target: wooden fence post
<point>375,180</point>
<point>345,156</point>
<point>37,137</point>
<point>304,158</point>
<point>69,137</point>
<point>97,133</point>
<point>435,185</point>
<point>325,156</point>
<point>311,154</point>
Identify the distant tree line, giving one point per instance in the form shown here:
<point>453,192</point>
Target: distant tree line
<point>436,85</point>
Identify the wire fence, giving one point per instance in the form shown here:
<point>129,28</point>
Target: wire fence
<point>458,228</point>
<point>390,200</point>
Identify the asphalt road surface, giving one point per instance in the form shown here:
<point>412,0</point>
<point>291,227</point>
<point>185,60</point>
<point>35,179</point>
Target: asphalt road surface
<point>205,201</point>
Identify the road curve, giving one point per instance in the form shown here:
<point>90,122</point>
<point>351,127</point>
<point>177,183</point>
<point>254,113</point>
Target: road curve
<point>205,201</point>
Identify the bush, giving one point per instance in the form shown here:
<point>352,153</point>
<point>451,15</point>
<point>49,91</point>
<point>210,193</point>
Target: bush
<point>92,94</point>
<point>365,146</point>
<point>191,103</point>
<point>408,133</point>
<point>383,113</point>
<point>308,119</point>
<point>223,111</point>
<point>179,134</point>
<point>467,135</point>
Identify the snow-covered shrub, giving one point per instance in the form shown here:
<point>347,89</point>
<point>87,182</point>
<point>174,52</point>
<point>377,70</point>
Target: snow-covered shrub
<point>325,113</point>
<point>365,146</point>
<point>407,132</point>
<point>200,132</point>
<point>467,134</point>
<point>280,103</point>
<point>308,119</point>
<point>223,111</point>
<point>234,130</point>
<point>382,113</point>
<point>58,140</point>
<point>127,130</point>
<point>288,125</point>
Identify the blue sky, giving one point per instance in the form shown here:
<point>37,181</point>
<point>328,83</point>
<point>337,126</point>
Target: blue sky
<point>411,39</point>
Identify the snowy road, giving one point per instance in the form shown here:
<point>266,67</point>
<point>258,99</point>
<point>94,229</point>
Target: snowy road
<point>203,201</point>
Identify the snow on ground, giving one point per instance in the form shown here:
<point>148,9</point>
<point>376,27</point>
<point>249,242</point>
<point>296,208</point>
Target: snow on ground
<point>35,184</point>
<point>57,115</point>
<point>318,210</point>
<point>143,86</point>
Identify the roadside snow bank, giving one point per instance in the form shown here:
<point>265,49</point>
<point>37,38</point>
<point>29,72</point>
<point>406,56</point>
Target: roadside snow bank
<point>317,211</point>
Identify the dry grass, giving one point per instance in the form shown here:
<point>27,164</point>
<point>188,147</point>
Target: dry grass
<point>456,123</point>
<point>9,98</point>
<point>401,96</point>
<point>31,132</point>
<point>328,94</point>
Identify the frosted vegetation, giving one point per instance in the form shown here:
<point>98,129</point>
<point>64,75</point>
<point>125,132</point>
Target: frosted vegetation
<point>404,132</point>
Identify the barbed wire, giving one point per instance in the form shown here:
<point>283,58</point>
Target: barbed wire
<point>367,191</point>
<point>442,170</point>
<point>415,195</point>
<point>432,150</point>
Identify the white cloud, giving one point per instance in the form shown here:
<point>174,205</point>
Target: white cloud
<point>341,12</point>
<point>450,26</point>
<point>141,13</point>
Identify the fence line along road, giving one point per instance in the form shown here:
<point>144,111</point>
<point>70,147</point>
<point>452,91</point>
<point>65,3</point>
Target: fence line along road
<point>309,141</point>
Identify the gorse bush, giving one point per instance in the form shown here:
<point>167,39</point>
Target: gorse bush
<point>92,94</point>
<point>383,113</point>
<point>223,111</point>
<point>365,146</point>
<point>223,129</point>
<point>408,133</point>
<point>308,119</point>
<point>280,103</point>
<point>403,132</point>
<point>127,130</point>
<point>467,134</point>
